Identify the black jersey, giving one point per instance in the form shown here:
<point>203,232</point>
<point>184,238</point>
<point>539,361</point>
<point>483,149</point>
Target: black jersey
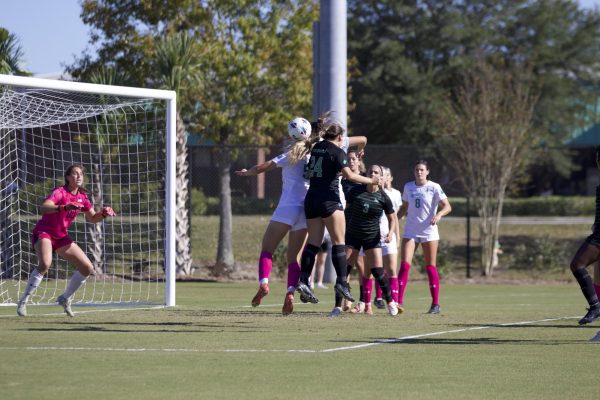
<point>365,211</point>
<point>594,238</point>
<point>323,169</point>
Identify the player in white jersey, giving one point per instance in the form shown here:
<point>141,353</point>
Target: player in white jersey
<point>390,250</point>
<point>424,203</point>
<point>288,217</point>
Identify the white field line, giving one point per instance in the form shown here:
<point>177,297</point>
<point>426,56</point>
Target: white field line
<point>88,311</point>
<point>331,350</point>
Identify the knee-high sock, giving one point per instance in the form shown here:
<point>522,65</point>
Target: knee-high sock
<point>378,292</point>
<point>339,299</point>
<point>394,287</point>
<point>379,275</point>
<point>265,263</point>
<point>597,289</point>
<point>307,261</point>
<point>403,280</point>
<point>434,283</point>
<point>587,286</point>
<point>367,286</point>
<point>35,278</point>
<point>293,276</point>
<point>74,283</point>
<point>338,259</point>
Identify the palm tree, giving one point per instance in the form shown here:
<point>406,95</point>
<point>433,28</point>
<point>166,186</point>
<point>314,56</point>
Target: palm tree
<point>177,58</point>
<point>11,54</point>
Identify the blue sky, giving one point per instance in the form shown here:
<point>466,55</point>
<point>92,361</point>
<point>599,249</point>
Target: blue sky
<point>51,32</point>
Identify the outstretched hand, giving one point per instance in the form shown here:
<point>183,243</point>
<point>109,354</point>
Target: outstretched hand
<point>107,211</point>
<point>242,172</point>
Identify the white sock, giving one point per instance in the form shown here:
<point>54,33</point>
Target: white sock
<point>32,284</point>
<point>74,283</point>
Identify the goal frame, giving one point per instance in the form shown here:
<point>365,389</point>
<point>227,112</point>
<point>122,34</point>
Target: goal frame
<point>170,98</point>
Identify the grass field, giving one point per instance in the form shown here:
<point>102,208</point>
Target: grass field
<point>489,342</point>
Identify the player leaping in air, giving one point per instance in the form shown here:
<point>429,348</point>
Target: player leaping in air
<point>50,234</point>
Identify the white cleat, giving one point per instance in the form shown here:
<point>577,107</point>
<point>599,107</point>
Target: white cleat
<point>392,308</point>
<point>22,309</point>
<point>66,303</point>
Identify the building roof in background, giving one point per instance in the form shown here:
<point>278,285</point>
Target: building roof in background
<point>588,138</point>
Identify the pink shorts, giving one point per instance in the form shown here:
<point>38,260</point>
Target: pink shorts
<point>57,243</point>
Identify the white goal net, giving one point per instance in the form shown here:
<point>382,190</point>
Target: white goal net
<point>124,138</point>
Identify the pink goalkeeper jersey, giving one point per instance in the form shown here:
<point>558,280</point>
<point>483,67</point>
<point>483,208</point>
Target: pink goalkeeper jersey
<point>56,224</point>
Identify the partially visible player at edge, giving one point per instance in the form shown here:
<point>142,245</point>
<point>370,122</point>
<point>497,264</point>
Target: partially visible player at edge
<point>420,201</point>
<point>587,254</point>
<point>323,206</point>
<point>289,214</point>
<point>50,234</point>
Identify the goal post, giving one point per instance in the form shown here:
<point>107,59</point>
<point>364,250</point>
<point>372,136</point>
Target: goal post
<point>125,138</point>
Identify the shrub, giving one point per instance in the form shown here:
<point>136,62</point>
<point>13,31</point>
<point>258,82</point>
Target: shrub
<point>534,206</point>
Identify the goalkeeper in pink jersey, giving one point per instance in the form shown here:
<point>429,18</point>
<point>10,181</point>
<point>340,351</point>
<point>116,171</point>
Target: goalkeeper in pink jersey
<point>50,234</point>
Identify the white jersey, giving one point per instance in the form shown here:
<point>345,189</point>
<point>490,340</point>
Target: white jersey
<point>294,186</point>
<point>396,198</point>
<point>422,206</point>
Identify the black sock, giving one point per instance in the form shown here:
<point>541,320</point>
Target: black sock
<point>362,296</point>
<point>338,258</point>
<point>338,299</point>
<point>379,275</point>
<point>307,261</point>
<point>587,286</point>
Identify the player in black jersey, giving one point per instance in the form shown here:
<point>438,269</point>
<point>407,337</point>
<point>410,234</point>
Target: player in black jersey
<point>357,166</point>
<point>366,205</point>
<point>323,207</point>
<point>589,253</point>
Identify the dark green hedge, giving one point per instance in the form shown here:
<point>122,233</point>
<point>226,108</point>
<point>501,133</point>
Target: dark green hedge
<point>532,206</point>
<point>536,206</point>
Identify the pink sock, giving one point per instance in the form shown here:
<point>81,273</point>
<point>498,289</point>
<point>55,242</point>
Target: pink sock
<point>597,289</point>
<point>293,274</point>
<point>394,287</point>
<point>402,280</point>
<point>367,284</point>
<point>265,263</point>
<point>378,291</point>
<point>434,283</point>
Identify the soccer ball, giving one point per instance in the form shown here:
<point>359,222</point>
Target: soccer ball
<point>299,129</point>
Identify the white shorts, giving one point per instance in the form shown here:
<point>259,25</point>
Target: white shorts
<point>389,248</point>
<point>422,238</point>
<point>290,215</point>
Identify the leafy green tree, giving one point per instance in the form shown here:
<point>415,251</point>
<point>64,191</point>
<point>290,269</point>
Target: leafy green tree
<point>11,54</point>
<point>411,54</point>
<point>254,65</point>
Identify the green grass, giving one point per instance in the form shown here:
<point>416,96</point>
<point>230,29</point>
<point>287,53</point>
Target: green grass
<point>213,346</point>
<point>556,244</point>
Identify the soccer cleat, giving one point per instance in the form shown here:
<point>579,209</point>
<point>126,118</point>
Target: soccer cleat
<point>66,303</point>
<point>368,309</point>
<point>592,314</point>
<point>22,309</point>
<point>400,308</point>
<point>336,312</point>
<point>359,308</point>
<point>344,290</point>
<point>305,291</point>
<point>392,308</point>
<point>303,298</point>
<point>288,304</point>
<point>263,290</point>
<point>435,309</point>
<point>321,286</point>
<point>379,304</point>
